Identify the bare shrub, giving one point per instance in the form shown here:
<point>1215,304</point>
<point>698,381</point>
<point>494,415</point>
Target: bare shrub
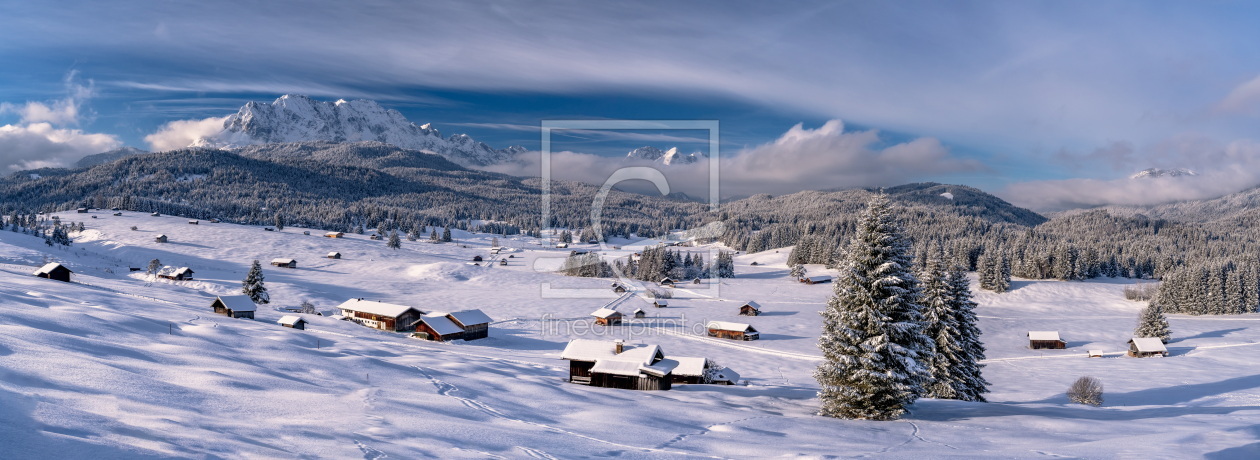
<point>1086,390</point>
<point>1144,291</point>
<point>654,293</point>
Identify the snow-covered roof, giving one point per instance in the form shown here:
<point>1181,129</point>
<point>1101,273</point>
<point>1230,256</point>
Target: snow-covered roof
<point>282,260</point>
<point>1095,352</point>
<point>238,302</point>
<point>589,350</point>
<point>374,307</point>
<point>753,304</point>
<point>470,317</point>
<point>1149,344</point>
<point>289,320</point>
<point>666,280</point>
<point>729,326</point>
<point>633,361</point>
<point>174,271</point>
<point>334,253</point>
<point>333,233</point>
<point>161,236</point>
<point>1043,335</point>
<point>819,278</point>
<point>441,324</point>
<point>48,268</point>
<point>660,301</point>
<point>638,310</point>
<point>617,367</point>
<point>689,366</point>
<point>605,313</point>
<point>725,374</point>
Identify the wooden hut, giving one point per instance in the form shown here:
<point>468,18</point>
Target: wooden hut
<point>234,306</point>
<point>194,222</point>
<point>668,282</point>
<point>156,215</point>
<point>334,235</point>
<point>475,323</point>
<point>117,214</point>
<point>334,255</point>
<point>292,321</point>
<point>690,370</point>
<point>54,271</point>
<point>817,279</point>
<point>1145,347</point>
<point>284,262</point>
<point>736,331</point>
<point>175,273</point>
<point>503,262</point>
<point>81,210</point>
<point>618,288</point>
<point>724,376</point>
<point>160,239</point>
<point>660,303</point>
<point>639,313</point>
<point>438,328</point>
<point>1095,353</point>
<point>607,317</point>
<point>477,259</point>
<point>696,281</point>
<point>1038,340</point>
<point>614,365</point>
<point>750,308</point>
<point>380,315</point>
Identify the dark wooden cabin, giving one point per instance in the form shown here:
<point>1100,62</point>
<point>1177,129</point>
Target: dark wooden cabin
<point>607,317</point>
<point>750,308</point>
<point>234,306</point>
<point>613,365</point>
<point>54,271</point>
<point>381,315</point>
<point>284,262</point>
<point>1145,347</point>
<point>334,255</point>
<point>1039,340</point>
<point>736,331</point>
<point>475,323</point>
<point>438,328</point>
<point>292,321</point>
<point>175,273</point>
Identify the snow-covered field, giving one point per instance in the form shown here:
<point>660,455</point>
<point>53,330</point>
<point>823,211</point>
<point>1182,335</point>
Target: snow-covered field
<point>118,366</point>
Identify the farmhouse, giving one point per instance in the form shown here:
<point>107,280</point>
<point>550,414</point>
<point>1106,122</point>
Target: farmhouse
<point>614,365</point>
<point>607,317</point>
<point>380,315</point>
<point>1045,339</point>
<point>334,255</point>
<point>667,282</point>
<point>750,308</point>
<point>737,331</point>
<point>334,235</point>
<point>438,328</point>
<point>817,279</point>
<point>292,321</point>
<point>160,239</point>
<point>175,273</point>
<point>476,325</point>
<point>283,262</point>
<point>660,303</point>
<point>1144,347</point>
<point>234,306</point>
<point>54,271</point>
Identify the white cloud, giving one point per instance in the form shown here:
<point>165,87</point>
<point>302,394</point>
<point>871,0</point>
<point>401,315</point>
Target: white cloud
<point>800,159</point>
<point>1243,99</point>
<point>181,133</point>
<point>61,112</point>
<point>39,145</point>
<point>1222,170</point>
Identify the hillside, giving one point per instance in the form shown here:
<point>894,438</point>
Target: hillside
<point>118,366</point>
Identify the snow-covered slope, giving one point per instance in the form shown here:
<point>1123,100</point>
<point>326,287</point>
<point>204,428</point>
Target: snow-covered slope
<point>119,366</point>
<point>107,157</point>
<point>665,157</point>
<point>1156,172</point>
<point>294,118</point>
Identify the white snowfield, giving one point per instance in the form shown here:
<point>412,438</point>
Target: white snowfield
<point>119,365</point>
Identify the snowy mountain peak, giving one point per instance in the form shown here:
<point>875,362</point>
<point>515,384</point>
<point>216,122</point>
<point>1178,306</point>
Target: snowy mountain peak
<point>297,118</point>
<point>666,157</point>
<point>1156,172</point>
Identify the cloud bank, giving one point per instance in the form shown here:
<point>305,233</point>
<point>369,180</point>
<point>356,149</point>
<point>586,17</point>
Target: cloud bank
<point>181,133</point>
<point>40,139</point>
<point>801,159</point>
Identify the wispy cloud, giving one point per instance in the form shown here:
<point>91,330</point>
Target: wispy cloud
<point>42,138</point>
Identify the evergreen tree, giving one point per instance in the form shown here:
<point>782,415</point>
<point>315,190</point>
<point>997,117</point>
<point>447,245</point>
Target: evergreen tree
<point>1153,323</point>
<point>253,285</point>
<point>1001,275</point>
<point>725,265</point>
<point>434,236</point>
<point>279,221</point>
<point>393,242</point>
<point>566,237</point>
<point>494,241</point>
<point>798,271</point>
<point>942,328</point>
<point>446,234</point>
<point>969,384</point>
<point>873,342</point>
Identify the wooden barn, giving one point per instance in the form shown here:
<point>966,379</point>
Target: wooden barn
<point>475,323</point>
<point>438,328</point>
<point>194,222</point>
<point>690,370</point>
<point>81,210</point>
<point>614,365</point>
<point>1095,353</point>
<point>618,288</point>
<point>175,273</point>
<point>736,331</point>
<point>292,321</point>
<point>234,306</point>
<point>607,317</point>
<point>660,303</point>
<point>639,313</point>
<point>334,235</point>
<point>503,262</point>
<point>54,271</point>
<point>817,279</point>
<point>750,308</point>
<point>477,259</point>
<point>1145,347</point>
<point>667,282</point>
<point>724,376</point>
<point>380,315</point>
<point>334,255</point>
<point>1038,340</point>
<point>160,239</point>
<point>283,262</point>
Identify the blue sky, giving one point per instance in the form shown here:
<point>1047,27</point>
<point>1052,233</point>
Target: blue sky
<point>1050,104</point>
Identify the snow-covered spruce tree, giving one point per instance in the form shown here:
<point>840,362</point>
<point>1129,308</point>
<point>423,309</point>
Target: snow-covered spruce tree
<point>446,234</point>
<point>253,286</point>
<point>986,269</point>
<point>969,384</point>
<point>434,236</point>
<point>798,271</point>
<point>875,351</point>
<point>1153,323</point>
<point>394,242</point>
<point>1001,275</point>
<point>942,327</point>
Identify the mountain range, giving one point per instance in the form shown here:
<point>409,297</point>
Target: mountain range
<point>664,157</point>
